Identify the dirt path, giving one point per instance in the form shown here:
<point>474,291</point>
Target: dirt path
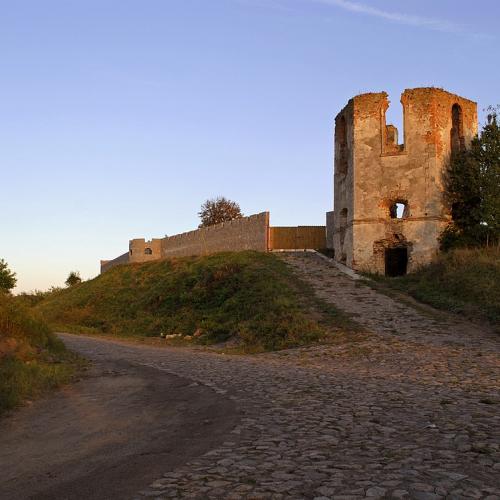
<point>110,434</point>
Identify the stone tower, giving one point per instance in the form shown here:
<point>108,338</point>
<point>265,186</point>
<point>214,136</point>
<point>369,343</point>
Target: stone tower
<point>389,207</point>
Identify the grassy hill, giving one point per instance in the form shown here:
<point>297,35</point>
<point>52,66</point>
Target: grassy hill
<point>249,296</point>
<point>463,281</point>
<point>32,359</point>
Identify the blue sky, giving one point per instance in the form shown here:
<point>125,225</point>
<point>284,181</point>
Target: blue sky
<point>118,118</point>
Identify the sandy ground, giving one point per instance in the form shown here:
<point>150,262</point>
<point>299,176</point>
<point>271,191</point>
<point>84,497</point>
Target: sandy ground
<point>110,434</point>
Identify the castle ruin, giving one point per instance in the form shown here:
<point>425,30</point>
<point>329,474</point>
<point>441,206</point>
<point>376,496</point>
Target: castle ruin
<point>388,194</point>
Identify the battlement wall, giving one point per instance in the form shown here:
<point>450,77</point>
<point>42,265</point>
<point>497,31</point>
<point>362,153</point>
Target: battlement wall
<point>247,233</point>
<point>106,265</point>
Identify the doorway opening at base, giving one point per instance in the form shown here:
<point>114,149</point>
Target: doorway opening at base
<point>396,261</point>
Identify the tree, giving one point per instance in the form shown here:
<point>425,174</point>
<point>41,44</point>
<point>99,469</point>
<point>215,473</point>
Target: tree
<point>490,174</point>
<point>218,210</point>
<point>8,279</point>
<point>472,189</point>
<point>73,278</point>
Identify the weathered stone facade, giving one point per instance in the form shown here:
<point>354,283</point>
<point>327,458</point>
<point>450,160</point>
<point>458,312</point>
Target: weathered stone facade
<point>388,197</point>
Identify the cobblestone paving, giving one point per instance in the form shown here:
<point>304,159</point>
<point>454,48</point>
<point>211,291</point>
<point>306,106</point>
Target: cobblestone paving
<point>380,313</point>
<point>390,414</point>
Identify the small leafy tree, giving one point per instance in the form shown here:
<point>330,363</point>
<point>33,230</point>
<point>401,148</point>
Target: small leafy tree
<point>490,173</point>
<point>8,279</point>
<point>472,189</point>
<point>73,278</point>
<point>218,210</point>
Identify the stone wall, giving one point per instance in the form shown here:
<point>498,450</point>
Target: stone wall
<point>106,265</point>
<point>374,171</point>
<point>247,233</point>
<point>141,250</point>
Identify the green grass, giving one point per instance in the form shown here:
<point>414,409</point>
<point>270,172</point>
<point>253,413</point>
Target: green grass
<point>462,281</point>
<point>32,359</point>
<point>250,297</point>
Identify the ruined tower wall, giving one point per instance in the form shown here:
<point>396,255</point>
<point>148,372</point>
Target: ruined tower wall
<point>343,184</point>
<point>385,172</point>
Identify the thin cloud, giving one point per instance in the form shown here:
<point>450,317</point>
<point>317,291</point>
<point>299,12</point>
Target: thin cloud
<point>397,17</point>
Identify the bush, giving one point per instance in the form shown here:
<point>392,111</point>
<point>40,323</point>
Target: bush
<point>463,281</point>
<point>32,359</point>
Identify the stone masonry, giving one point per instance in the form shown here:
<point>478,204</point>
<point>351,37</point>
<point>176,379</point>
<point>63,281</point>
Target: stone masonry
<point>247,233</point>
<point>389,206</point>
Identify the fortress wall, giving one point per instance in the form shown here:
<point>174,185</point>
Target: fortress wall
<point>247,233</point>
<point>141,250</point>
<point>106,265</point>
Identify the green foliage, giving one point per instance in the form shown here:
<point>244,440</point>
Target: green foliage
<point>463,281</point>
<point>490,171</point>
<point>7,278</point>
<point>73,279</point>
<point>32,359</point>
<point>472,184</point>
<point>249,296</point>
<point>218,210</point>
<point>31,299</point>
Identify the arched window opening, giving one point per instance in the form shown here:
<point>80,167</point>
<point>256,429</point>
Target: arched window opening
<point>456,134</point>
<point>148,251</point>
<point>343,153</point>
<point>398,210</point>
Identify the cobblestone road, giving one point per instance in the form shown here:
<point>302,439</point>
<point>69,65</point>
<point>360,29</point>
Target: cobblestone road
<point>408,411</point>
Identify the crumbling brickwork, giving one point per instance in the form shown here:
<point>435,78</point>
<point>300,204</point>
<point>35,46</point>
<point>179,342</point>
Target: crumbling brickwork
<point>388,191</point>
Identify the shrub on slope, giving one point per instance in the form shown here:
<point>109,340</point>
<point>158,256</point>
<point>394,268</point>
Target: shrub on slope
<point>32,359</point>
<point>465,281</point>
<point>248,295</point>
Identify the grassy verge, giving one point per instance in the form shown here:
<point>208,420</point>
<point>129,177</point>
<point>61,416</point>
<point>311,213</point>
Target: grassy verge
<point>462,281</point>
<point>32,359</point>
<point>250,297</point>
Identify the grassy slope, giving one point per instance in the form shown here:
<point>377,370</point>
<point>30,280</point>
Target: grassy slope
<point>251,296</point>
<point>461,281</point>
<point>32,359</point>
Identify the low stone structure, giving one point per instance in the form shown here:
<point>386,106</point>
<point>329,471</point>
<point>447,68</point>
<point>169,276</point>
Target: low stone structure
<point>388,196</point>
<point>246,233</point>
